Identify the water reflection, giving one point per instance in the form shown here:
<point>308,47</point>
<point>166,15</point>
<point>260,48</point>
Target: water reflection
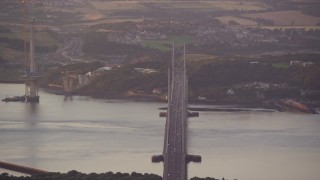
<point>32,110</point>
<point>31,139</point>
<point>68,98</point>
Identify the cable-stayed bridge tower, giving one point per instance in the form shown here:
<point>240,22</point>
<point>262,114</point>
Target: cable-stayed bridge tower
<point>32,74</point>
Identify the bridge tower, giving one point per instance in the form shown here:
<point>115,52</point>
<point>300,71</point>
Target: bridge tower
<point>32,74</point>
<point>175,157</point>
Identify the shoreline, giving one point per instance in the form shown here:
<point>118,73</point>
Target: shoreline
<point>11,82</point>
<point>268,105</point>
<point>236,106</point>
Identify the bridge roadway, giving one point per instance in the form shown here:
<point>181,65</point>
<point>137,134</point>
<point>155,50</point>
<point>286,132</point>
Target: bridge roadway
<point>175,155</point>
<point>21,169</point>
<point>175,166</point>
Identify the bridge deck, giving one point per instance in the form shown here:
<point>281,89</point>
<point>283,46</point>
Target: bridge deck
<point>175,148</point>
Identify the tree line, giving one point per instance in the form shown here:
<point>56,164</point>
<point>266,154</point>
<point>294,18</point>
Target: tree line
<point>75,175</point>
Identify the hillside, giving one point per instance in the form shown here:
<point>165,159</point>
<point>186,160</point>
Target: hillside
<point>250,79</point>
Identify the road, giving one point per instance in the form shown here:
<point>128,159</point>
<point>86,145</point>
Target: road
<point>175,166</point>
<point>175,155</point>
<point>71,49</point>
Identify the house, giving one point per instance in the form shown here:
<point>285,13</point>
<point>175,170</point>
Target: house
<point>230,92</point>
<point>146,70</point>
<point>201,98</point>
<point>306,64</point>
<point>296,63</point>
<point>254,63</point>
<point>157,91</point>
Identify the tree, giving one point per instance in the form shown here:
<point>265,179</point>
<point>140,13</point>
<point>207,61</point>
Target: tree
<point>233,22</point>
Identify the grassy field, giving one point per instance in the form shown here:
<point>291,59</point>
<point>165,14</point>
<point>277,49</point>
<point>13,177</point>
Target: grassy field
<point>286,18</point>
<point>117,5</point>
<point>199,57</point>
<point>236,5</point>
<point>11,35</point>
<point>281,65</point>
<point>197,5</point>
<point>184,5</point>
<point>211,5</point>
<point>11,76</point>
<point>10,54</point>
<point>288,27</point>
<point>241,21</point>
<point>42,38</point>
<point>166,45</point>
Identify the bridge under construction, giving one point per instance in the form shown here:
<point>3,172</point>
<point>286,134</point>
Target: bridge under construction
<point>32,74</point>
<point>175,156</point>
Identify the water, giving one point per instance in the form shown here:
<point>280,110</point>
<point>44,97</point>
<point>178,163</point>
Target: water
<point>92,135</point>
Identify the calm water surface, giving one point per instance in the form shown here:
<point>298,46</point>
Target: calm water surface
<point>90,135</point>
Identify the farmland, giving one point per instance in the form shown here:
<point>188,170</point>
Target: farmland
<point>165,45</point>
<point>307,28</point>
<point>199,57</point>
<point>236,5</point>
<point>42,38</point>
<point>284,18</point>
<point>11,46</point>
<point>239,20</point>
<point>205,25</point>
<point>191,5</point>
<point>117,5</point>
<point>10,54</point>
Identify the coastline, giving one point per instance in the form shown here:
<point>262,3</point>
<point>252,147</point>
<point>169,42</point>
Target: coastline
<point>235,104</point>
<point>12,82</point>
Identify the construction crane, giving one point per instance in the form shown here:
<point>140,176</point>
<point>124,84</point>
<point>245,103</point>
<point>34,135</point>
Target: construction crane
<point>25,35</point>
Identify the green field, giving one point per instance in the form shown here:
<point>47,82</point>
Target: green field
<point>281,65</point>
<point>286,18</point>
<point>236,5</point>
<point>9,49</point>
<point>10,54</point>
<point>166,45</point>
<point>41,38</point>
<point>212,5</point>
<point>288,27</point>
<point>10,76</point>
<point>241,21</point>
<point>196,5</point>
<point>117,5</point>
<point>44,39</point>
<point>200,57</point>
